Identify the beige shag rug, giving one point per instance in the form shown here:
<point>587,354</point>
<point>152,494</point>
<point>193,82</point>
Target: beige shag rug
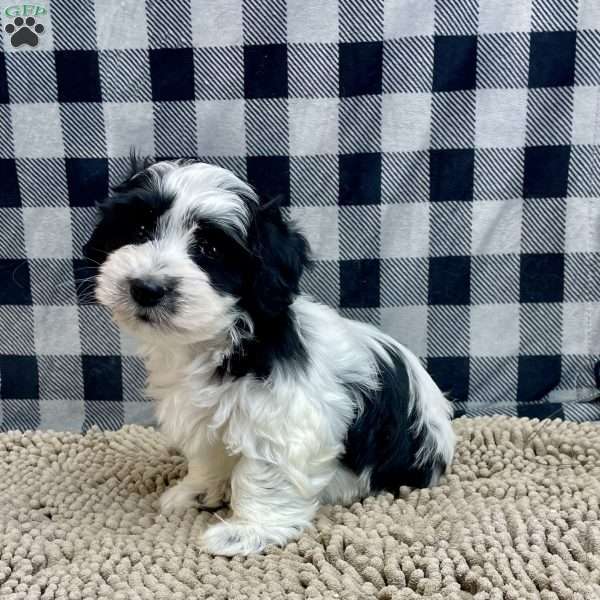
<point>517,517</point>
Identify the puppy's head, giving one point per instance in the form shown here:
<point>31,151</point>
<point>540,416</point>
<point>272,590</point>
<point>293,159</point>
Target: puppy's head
<point>185,253</point>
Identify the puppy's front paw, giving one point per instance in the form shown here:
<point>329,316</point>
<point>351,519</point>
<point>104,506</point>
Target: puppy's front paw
<point>239,537</point>
<point>176,498</point>
<point>215,496</point>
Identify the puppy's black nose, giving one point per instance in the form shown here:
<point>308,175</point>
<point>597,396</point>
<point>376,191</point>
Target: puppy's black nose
<point>147,292</point>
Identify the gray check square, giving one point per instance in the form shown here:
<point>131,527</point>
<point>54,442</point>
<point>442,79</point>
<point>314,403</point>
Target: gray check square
<point>544,225</point>
<point>52,281</point>
<point>495,279</point>
<point>541,327</point>
<point>360,124</point>
<point>43,182</point>
<point>92,319</point>
<point>304,60</point>
<point>360,228</point>
<point>498,173</point>
<point>503,60</point>
<point>31,76</point>
<point>125,75</point>
<point>453,119</point>
<point>408,65</point>
<point>313,180</point>
<point>219,72</point>
<point>83,130</point>
<point>405,177</point>
<point>267,130</point>
<point>322,282</point>
<point>61,378</point>
<point>179,115</point>
<point>404,281</point>
<point>17,324</point>
<point>549,114</point>
<point>12,233</point>
<point>448,330</point>
<point>450,228</point>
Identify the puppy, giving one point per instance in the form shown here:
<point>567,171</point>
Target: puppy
<point>278,403</point>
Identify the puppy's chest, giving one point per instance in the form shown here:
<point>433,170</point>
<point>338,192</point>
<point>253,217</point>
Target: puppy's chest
<point>188,403</point>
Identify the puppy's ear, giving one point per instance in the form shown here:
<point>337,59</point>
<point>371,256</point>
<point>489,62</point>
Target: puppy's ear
<point>281,253</point>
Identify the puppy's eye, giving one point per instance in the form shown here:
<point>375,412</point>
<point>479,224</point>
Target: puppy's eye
<point>142,233</point>
<point>205,248</point>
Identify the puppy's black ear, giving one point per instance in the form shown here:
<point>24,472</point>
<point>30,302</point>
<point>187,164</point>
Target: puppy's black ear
<point>281,253</point>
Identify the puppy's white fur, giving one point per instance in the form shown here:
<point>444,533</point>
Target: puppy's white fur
<point>272,446</point>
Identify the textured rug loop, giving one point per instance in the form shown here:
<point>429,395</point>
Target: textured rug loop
<point>518,517</point>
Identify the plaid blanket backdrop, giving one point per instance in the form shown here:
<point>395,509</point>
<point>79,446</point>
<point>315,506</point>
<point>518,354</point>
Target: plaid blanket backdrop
<point>440,156</point>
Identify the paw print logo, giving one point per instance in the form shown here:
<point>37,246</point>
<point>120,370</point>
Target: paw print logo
<point>24,32</point>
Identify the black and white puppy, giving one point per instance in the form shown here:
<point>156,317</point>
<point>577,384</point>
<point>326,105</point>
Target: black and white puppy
<point>278,403</point>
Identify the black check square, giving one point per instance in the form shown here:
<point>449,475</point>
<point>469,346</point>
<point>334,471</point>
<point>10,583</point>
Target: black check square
<point>270,177</point>
<point>450,280</point>
<point>360,178</point>
<point>9,184</point>
<point>78,76</point>
<point>451,174</point>
<point>537,376</point>
<point>361,66</point>
<point>102,377</point>
<point>454,63</point>
<point>546,171</point>
<point>265,71</point>
<point>451,373</point>
<point>552,59</point>
<point>15,285</point>
<point>172,74</point>
<point>541,410</point>
<point>542,277</point>
<point>87,180</point>
<point>359,283</point>
<point>19,377</point>
<point>4,98</point>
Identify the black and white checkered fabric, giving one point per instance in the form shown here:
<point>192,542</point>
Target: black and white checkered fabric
<point>442,158</point>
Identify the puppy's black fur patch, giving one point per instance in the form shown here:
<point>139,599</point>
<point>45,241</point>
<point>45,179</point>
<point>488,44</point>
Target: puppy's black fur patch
<point>129,215</point>
<point>382,438</point>
<point>277,256</point>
